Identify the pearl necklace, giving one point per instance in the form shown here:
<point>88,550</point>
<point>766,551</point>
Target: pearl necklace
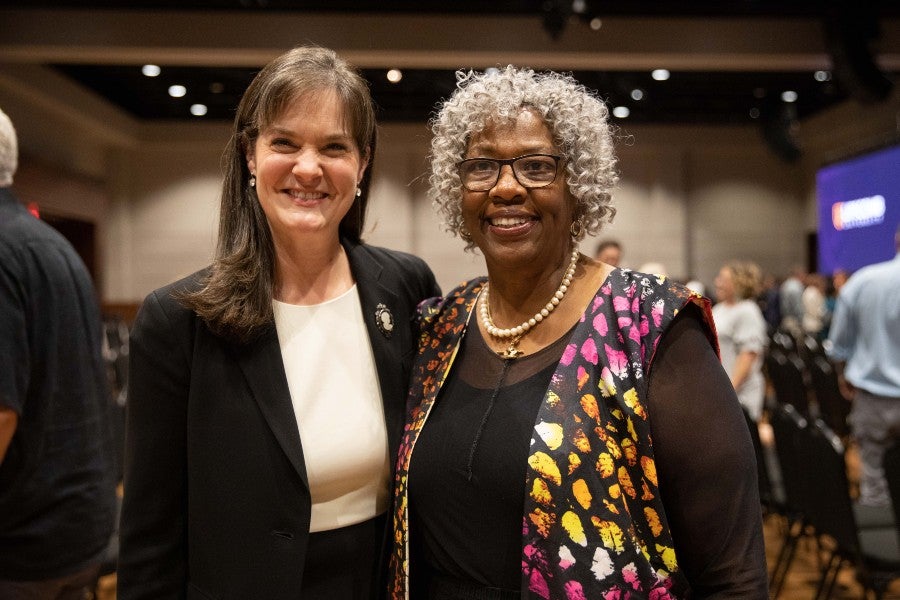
<point>519,331</point>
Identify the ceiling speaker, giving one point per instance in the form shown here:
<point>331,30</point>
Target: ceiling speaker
<point>779,126</point>
<point>850,31</point>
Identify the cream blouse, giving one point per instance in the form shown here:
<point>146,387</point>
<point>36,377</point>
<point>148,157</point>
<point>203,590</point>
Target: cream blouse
<point>337,402</point>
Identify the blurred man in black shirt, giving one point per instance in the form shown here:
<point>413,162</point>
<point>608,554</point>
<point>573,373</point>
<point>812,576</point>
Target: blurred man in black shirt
<point>57,477</point>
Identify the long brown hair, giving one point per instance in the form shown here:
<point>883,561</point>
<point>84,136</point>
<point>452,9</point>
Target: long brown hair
<point>236,297</point>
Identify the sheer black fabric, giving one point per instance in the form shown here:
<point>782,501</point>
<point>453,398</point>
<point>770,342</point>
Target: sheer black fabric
<point>467,477</point>
<point>703,452</point>
<point>469,527</point>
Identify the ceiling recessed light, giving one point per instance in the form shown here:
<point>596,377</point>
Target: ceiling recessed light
<point>621,112</point>
<point>177,91</point>
<point>394,75</point>
<point>754,113</point>
<point>637,94</point>
<point>789,96</point>
<point>822,76</point>
<point>660,74</point>
<point>151,70</point>
<point>198,110</point>
<point>596,24</point>
<point>491,71</point>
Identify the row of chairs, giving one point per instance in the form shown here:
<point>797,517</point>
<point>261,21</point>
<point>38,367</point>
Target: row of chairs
<point>817,504</point>
<point>803,376</point>
<point>115,347</point>
<point>811,491</point>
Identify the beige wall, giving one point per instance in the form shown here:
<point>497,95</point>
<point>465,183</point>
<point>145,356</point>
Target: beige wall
<point>689,198</point>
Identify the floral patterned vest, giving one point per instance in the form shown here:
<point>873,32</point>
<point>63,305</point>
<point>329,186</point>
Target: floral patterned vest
<point>593,523</point>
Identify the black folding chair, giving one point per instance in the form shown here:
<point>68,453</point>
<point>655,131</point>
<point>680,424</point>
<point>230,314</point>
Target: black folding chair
<point>874,552</point>
<point>891,464</point>
<point>771,494</point>
<point>833,407</point>
<point>786,372</point>
<point>787,424</point>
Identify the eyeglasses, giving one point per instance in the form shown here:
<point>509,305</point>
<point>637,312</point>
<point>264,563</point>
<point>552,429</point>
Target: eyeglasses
<point>531,171</point>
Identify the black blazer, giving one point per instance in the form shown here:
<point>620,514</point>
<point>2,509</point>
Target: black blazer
<point>217,503</point>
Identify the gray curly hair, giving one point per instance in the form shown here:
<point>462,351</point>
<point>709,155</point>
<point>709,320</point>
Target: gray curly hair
<point>577,119</point>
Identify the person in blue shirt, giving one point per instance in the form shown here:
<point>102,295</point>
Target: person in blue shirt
<point>865,343</point>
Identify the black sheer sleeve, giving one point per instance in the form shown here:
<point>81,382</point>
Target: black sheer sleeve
<point>706,466</point>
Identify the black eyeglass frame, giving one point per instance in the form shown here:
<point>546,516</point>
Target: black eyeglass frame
<point>500,162</point>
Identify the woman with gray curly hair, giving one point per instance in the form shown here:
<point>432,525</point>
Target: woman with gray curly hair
<point>575,435</point>
<point>576,119</point>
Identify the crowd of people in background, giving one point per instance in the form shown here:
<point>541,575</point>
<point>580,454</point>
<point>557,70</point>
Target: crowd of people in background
<point>750,307</point>
<point>798,302</point>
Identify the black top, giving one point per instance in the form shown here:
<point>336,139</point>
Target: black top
<point>468,476</point>
<point>57,488</point>
<point>470,528</point>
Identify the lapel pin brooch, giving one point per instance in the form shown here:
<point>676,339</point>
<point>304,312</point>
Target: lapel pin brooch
<point>384,319</point>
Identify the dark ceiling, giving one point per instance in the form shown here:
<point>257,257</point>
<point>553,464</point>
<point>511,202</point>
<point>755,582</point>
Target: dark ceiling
<point>805,8</point>
<point>687,97</point>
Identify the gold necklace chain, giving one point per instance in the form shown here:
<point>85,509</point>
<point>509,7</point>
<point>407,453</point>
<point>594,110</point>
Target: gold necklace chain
<point>515,334</point>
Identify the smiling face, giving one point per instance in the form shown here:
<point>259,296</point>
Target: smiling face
<point>307,167</point>
<point>513,226</point>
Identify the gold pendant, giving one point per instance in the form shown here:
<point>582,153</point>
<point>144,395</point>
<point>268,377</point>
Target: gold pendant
<point>511,350</point>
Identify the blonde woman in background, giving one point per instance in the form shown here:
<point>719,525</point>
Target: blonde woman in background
<point>742,332</point>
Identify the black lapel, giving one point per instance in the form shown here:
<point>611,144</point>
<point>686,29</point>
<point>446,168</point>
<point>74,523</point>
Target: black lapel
<point>375,295</point>
<point>263,368</point>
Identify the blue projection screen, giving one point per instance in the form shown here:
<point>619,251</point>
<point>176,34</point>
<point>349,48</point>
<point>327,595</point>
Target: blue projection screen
<point>859,209</point>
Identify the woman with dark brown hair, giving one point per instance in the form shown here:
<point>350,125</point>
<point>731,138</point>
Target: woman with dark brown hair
<point>266,392</point>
